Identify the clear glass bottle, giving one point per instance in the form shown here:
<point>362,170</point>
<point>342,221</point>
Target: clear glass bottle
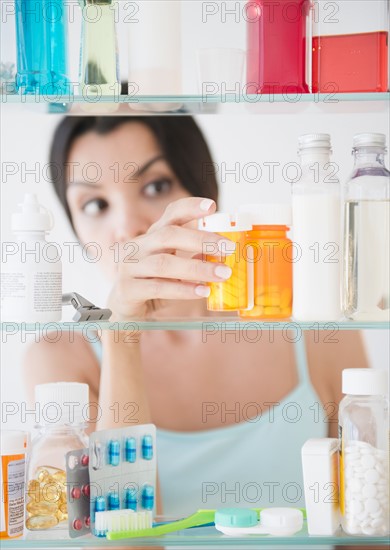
<point>367,232</point>
<point>317,235</point>
<point>41,38</point>
<point>99,69</point>
<point>61,408</point>
<point>364,452</point>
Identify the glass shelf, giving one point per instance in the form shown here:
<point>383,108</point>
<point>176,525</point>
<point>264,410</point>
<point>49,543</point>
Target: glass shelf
<point>206,537</point>
<point>206,324</point>
<point>185,104</point>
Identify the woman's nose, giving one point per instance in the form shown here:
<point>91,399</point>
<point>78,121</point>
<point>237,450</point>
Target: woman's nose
<point>129,223</point>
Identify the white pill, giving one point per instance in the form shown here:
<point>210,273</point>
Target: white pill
<point>368,530</point>
<point>355,485</point>
<point>376,514</point>
<point>362,516</point>
<point>369,490</point>
<point>379,468</point>
<point>355,507</point>
<point>383,500</point>
<point>371,505</point>
<point>368,461</point>
<point>383,481</point>
<point>371,475</point>
<point>376,522</point>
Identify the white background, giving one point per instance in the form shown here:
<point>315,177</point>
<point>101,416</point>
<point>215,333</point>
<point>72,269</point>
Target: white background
<point>270,136</point>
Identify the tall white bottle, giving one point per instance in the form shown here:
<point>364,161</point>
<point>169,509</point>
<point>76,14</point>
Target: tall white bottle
<point>155,48</point>
<point>31,268</point>
<point>316,207</point>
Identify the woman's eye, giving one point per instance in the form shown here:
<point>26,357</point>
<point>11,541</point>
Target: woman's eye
<point>94,207</point>
<point>157,187</point>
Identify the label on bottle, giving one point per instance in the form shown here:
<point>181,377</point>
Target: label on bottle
<point>12,473</point>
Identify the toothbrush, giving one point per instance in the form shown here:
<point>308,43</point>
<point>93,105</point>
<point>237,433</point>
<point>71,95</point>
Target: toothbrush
<point>139,524</point>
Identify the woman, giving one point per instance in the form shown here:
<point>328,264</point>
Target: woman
<point>232,412</point>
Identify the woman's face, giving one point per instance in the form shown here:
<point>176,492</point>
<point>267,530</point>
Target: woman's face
<point>119,184</point>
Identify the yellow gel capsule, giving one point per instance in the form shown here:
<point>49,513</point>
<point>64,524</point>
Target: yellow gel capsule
<point>271,311</point>
<point>35,523</point>
<point>63,508</point>
<point>60,477</point>
<point>42,508</point>
<point>63,497</point>
<point>61,516</point>
<point>42,475</point>
<point>272,299</point>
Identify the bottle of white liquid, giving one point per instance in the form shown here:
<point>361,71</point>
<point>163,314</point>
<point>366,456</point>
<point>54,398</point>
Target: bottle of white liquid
<point>366,293</point>
<point>316,233</point>
<point>31,268</point>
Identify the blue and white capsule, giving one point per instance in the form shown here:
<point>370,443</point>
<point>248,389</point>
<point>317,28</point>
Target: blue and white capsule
<point>113,501</point>
<point>130,499</point>
<point>114,452</point>
<point>147,497</point>
<point>147,447</point>
<point>130,449</point>
<point>99,506</point>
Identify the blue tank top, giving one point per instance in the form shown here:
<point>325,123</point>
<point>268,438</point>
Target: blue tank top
<point>254,463</point>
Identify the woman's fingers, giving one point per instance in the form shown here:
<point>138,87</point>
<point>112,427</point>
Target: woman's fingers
<point>169,266</point>
<point>172,238</point>
<point>183,211</point>
<point>139,291</point>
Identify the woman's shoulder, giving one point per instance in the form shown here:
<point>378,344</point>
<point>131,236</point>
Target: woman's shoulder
<point>62,357</point>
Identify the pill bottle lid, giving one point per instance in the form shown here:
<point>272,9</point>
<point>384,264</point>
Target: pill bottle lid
<point>222,222</point>
<point>32,217</point>
<point>14,442</point>
<point>62,403</point>
<point>268,214</point>
<point>314,141</point>
<point>369,140</point>
<point>365,381</point>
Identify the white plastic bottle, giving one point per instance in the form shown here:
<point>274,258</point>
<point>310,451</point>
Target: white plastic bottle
<point>31,268</point>
<point>316,233</point>
<point>364,452</point>
<point>155,48</point>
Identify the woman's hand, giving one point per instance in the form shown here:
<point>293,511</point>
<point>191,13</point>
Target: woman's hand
<point>168,264</point>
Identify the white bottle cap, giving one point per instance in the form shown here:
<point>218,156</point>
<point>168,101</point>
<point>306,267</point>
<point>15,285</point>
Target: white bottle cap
<point>369,140</point>
<point>62,403</point>
<point>33,216</point>
<point>268,214</point>
<point>14,442</point>
<point>365,381</point>
<point>221,222</point>
<point>314,141</point>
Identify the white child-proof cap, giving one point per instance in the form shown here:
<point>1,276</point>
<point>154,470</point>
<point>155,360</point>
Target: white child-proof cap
<point>222,222</point>
<point>312,141</point>
<point>365,381</point>
<point>33,216</point>
<point>62,403</point>
<point>14,442</point>
<point>281,521</point>
<point>369,140</point>
<point>268,213</point>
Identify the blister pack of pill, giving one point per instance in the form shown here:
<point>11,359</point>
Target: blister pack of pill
<point>78,492</point>
<point>122,469</point>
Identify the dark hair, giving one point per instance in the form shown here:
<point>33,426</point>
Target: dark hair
<point>181,141</point>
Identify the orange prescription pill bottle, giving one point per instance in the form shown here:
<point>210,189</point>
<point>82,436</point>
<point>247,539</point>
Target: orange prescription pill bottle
<point>272,260</point>
<point>14,445</point>
<point>236,292</point>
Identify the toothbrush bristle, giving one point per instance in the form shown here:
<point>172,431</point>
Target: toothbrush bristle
<point>115,521</point>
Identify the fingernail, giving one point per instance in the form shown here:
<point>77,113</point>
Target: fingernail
<point>223,271</point>
<point>226,247</point>
<point>203,291</point>
<point>206,204</point>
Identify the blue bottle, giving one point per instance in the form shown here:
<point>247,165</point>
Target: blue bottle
<point>41,32</point>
